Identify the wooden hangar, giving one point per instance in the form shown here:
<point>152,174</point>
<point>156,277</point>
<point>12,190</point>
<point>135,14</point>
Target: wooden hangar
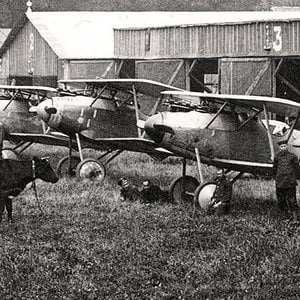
<point>44,47</point>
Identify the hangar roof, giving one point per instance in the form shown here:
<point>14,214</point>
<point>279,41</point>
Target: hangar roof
<point>90,34</point>
<point>214,34</point>
<point>232,17</point>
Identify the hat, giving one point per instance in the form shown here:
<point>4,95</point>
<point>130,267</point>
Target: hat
<point>123,182</point>
<point>282,142</point>
<point>220,172</point>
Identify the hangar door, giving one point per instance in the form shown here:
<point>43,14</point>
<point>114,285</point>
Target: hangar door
<point>287,73</point>
<point>170,72</point>
<point>91,69</point>
<point>249,76</point>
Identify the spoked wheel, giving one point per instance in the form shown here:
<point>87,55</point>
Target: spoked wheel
<point>176,192</point>
<point>91,169</point>
<point>204,194</point>
<point>62,169</point>
<point>9,153</point>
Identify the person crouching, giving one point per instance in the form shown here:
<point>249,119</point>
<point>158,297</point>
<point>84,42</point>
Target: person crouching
<point>220,202</point>
<point>128,191</point>
<point>151,193</point>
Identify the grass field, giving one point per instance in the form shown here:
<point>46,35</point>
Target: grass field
<point>89,245</point>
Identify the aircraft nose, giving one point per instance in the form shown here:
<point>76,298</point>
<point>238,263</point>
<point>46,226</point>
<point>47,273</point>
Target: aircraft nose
<point>44,110</point>
<point>152,128</point>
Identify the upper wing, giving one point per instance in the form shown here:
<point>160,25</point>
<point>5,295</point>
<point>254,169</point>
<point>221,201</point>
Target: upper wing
<point>28,88</point>
<point>280,106</point>
<point>142,86</point>
<point>24,92</point>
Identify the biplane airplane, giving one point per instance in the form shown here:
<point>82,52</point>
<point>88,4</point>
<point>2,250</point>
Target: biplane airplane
<point>106,115</point>
<point>225,131</point>
<point>21,126</point>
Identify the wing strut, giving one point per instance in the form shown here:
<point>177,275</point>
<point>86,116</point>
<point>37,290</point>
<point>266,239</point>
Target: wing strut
<point>79,146</point>
<point>269,132</point>
<point>10,101</point>
<point>156,105</point>
<point>99,94</point>
<point>136,110</point>
<point>199,164</point>
<point>217,114</point>
<point>293,125</point>
<point>154,109</point>
<point>249,119</point>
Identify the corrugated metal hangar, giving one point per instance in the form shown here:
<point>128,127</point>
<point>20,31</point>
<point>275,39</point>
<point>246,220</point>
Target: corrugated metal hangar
<point>46,46</point>
<point>228,52</point>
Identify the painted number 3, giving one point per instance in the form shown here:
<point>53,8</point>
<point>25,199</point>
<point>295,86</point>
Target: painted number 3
<point>277,43</point>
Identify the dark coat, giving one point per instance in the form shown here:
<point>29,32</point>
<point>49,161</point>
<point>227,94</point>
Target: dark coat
<point>153,193</point>
<point>286,168</point>
<point>223,191</point>
<point>220,201</point>
<point>130,193</point>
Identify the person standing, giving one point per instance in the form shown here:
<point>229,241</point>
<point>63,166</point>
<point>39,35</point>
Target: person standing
<point>286,167</point>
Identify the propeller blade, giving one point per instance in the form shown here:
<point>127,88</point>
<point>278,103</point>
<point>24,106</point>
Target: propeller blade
<point>50,110</point>
<point>164,128</point>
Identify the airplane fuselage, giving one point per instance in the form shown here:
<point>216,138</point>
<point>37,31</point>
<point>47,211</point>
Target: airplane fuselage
<point>223,143</point>
<point>100,118</point>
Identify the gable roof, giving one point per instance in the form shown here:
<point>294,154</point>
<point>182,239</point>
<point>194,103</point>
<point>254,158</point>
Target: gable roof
<point>82,35</point>
<point>89,34</point>
<point>12,34</point>
<point>229,17</point>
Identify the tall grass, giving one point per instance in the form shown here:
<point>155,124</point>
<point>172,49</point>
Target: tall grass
<point>89,245</point>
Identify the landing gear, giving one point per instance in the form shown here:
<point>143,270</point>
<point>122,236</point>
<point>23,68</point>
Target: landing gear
<point>91,169</point>
<point>88,168</point>
<point>183,188</point>
<point>85,168</point>
<point>204,194</point>
<point>73,165</point>
<point>188,188</point>
<point>67,166</point>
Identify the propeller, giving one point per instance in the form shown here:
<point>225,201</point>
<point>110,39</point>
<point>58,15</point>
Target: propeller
<point>155,128</point>
<point>44,110</point>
